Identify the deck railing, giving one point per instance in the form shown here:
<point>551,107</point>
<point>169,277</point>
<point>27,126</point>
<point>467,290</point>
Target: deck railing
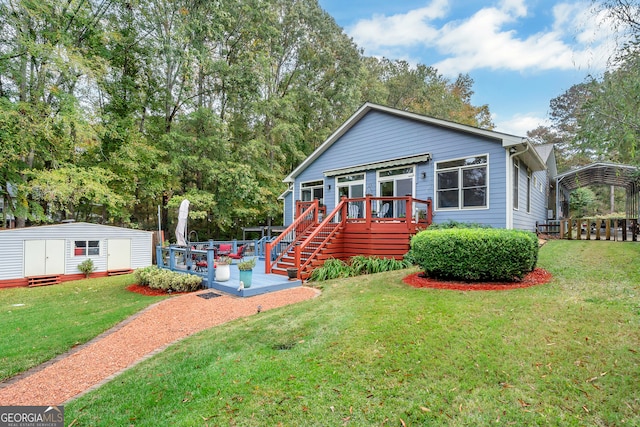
<point>308,249</point>
<point>277,248</point>
<point>406,209</point>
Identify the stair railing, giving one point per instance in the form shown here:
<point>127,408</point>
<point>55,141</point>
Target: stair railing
<point>330,225</point>
<point>278,247</point>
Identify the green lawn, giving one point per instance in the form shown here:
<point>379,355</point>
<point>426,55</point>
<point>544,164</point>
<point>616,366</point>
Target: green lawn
<point>43,322</point>
<point>373,351</point>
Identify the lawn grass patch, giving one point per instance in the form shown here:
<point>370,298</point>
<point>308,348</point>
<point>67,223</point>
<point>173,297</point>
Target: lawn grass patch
<point>42,322</point>
<point>373,351</point>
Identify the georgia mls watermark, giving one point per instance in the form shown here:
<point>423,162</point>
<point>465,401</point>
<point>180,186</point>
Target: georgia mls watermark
<point>31,416</point>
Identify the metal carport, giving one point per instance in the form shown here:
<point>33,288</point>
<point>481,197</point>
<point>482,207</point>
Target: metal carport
<point>617,175</point>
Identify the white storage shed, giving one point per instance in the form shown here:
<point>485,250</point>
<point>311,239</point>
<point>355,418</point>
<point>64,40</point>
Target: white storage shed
<point>51,253</point>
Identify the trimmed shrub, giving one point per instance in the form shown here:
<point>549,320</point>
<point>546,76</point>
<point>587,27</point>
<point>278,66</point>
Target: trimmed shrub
<point>158,278</point>
<point>475,254</point>
<point>456,224</point>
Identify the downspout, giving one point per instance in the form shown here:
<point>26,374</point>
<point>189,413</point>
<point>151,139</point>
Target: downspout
<point>509,224</point>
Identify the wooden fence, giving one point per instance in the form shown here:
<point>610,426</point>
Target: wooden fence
<point>620,229</point>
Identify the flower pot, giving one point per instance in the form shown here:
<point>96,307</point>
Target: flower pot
<point>292,273</point>
<point>223,272</point>
<point>245,277</point>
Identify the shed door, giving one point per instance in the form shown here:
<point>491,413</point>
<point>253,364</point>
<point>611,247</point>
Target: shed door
<point>42,257</point>
<point>118,254</point>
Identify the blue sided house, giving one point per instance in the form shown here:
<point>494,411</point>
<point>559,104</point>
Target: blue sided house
<point>386,173</point>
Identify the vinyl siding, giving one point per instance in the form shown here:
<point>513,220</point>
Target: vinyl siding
<point>379,137</point>
<point>522,219</point>
<point>289,208</point>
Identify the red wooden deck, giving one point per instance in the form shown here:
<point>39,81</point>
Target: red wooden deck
<point>312,237</point>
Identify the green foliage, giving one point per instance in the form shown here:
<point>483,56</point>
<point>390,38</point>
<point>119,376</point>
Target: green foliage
<point>247,264</point>
<point>423,90</point>
<point>475,254</point>
<point>582,202</point>
<point>373,264</point>
<point>609,120</point>
<point>456,224</point>
<point>224,260</point>
<point>331,269</point>
<point>216,105</point>
<point>158,278</point>
<point>86,267</point>
<point>356,266</point>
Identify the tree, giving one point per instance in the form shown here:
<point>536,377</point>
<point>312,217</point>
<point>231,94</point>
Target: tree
<point>582,202</point>
<point>44,57</point>
<point>422,90</point>
<point>609,121</point>
<point>109,106</point>
<point>625,16</point>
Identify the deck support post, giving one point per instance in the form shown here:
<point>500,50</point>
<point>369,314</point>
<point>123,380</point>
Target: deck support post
<point>159,261</point>
<point>211,264</point>
<point>172,258</point>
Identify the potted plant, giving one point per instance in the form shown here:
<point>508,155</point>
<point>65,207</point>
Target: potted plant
<point>223,271</point>
<point>246,271</point>
<point>86,267</point>
<point>292,273</point>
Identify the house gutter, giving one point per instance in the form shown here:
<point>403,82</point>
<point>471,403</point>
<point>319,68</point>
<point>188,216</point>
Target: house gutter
<point>512,155</point>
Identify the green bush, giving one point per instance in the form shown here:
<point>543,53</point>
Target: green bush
<point>357,265</point>
<point>456,224</point>
<point>331,269</point>
<point>474,254</point>
<point>158,278</point>
<point>86,267</point>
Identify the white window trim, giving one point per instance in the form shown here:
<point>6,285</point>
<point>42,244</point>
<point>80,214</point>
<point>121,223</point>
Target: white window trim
<point>337,185</point>
<point>86,241</point>
<point>459,208</point>
<point>301,188</point>
<point>411,175</point>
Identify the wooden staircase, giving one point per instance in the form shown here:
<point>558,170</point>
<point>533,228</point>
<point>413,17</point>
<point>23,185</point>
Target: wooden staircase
<point>314,250</point>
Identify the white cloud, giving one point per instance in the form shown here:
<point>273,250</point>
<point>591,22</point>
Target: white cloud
<point>520,124</point>
<point>488,38</point>
<point>402,29</point>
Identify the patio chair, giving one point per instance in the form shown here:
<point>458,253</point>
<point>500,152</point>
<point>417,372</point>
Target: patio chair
<point>224,249</point>
<point>239,254</point>
<point>354,210</point>
<point>384,210</point>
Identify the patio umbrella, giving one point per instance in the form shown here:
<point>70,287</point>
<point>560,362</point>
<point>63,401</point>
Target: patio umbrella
<point>181,229</point>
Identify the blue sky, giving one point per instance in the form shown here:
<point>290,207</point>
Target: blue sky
<point>520,54</point>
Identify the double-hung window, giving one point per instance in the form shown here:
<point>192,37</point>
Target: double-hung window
<point>462,183</point>
<point>86,247</point>
<point>312,190</point>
